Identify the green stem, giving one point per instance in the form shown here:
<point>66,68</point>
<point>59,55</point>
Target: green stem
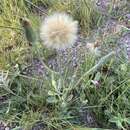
<point>93,69</point>
<point>50,70</point>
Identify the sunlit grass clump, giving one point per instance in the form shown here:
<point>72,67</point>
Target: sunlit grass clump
<point>13,44</point>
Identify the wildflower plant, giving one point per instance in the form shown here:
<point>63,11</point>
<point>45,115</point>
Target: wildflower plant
<point>56,101</point>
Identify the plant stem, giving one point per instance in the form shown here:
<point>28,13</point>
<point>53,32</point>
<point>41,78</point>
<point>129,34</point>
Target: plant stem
<point>50,70</point>
<point>93,69</point>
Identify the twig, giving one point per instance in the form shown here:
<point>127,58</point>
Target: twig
<point>10,27</point>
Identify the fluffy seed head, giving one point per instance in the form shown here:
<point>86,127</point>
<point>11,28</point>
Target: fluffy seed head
<point>59,31</point>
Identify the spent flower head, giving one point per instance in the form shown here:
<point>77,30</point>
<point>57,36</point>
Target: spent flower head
<point>59,31</point>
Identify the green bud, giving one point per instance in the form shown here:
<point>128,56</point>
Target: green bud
<point>29,32</point>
